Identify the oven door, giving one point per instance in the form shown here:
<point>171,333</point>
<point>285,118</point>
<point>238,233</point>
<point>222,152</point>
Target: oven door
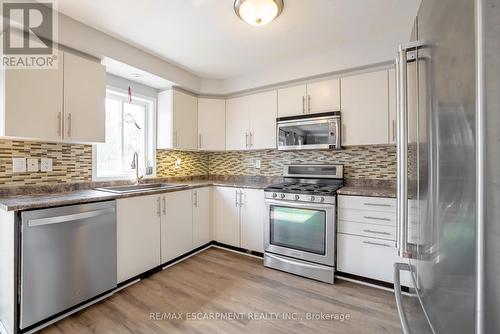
<point>303,231</point>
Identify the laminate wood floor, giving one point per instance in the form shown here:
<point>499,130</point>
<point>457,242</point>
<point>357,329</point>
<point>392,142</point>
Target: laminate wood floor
<point>194,295</point>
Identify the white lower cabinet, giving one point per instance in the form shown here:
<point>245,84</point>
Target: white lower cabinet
<point>227,216</point>
<point>239,217</point>
<point>138,229</point>
<point>202,212</point>
<point>253,211</point>
<point>366,238</point>
<point>176,224</point>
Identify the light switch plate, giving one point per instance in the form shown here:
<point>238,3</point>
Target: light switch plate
<point>178,163</point>
<point>257,163</point>
<point>32,165</point>
<point>19,165</point>
<point>46,165</point>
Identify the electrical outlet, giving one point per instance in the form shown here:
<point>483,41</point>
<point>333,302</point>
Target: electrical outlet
<point>257,163</point>
<point>46,165</point>
<point>32,165</point>
<point>178,163</point>
<point>19,165</point>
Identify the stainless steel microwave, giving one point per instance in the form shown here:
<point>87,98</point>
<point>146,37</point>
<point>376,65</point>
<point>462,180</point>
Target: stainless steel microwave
<point>309,132</point>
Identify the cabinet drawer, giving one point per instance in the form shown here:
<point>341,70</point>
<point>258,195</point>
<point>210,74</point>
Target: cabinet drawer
<point>368,216</point>
<point>368,230</point>
<point>368,203</point>
<point>368,257</point>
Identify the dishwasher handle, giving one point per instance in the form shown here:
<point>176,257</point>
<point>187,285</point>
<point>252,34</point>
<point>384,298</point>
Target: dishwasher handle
<point>67,218</point>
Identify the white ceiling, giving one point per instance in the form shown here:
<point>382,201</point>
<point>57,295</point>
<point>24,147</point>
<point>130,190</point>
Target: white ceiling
<point>208,39</point>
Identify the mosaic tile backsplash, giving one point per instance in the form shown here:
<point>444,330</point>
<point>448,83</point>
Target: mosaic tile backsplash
<point>361,162</point>
<point>70,162</point>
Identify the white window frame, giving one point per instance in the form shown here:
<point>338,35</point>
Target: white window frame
<point>150,119</point>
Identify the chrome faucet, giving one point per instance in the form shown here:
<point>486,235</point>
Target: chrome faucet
<point>135,165</point>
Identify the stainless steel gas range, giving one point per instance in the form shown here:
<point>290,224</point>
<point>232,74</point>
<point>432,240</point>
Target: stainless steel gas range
<point>301,221</point>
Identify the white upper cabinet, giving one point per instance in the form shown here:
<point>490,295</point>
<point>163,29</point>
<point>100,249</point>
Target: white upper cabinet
<point>211,124</point>
<point>263,113</point>
<point>32,98</point>
<point>84,99</point>
<point>392,106</point>
<point>323,96</point>
<point>292,101</point>
<point>237,123</point>
<point>315,97</point>
<point>251,121</point>
<point>63,104</point>
<point>177,120</point>
<point>365,109</point>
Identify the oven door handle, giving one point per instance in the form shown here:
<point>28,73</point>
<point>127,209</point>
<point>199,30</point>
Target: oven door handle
<point>299,204</point>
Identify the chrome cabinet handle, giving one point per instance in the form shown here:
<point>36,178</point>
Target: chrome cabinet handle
<point>59,123</point>
<point>195,194</point>
<point>393,130</point>
<point>246,139</point>
<point>308,104</point>
<point>303,104</point>
<point>175,139</point>
<point>164,205</point>
<point>69,125</point>
<point>241,198</point>
<point>377,244</point>
<point>377,218</point>
<point>158,208</point>
<point>251,139</point>
<point>378,204</point>
<point>376,232</point>
<point>398,267</point>
<point>199,140</point>
<point>236,198</point>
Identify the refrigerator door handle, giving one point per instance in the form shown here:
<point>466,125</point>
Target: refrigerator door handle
<point>402,153</point>
<point>398,267</point>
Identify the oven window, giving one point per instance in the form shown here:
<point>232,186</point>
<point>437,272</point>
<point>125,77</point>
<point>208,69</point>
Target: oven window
<point>300,229</point>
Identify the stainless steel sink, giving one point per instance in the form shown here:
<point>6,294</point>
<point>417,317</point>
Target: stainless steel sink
<point>139,187</point>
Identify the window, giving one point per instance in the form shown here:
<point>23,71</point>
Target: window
<point>129,129</point>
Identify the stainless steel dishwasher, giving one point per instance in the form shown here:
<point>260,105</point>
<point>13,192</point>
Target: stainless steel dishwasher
<point>68,256</point>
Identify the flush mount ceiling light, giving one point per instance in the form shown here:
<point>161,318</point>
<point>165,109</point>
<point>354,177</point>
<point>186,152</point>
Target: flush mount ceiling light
<point>258,12</point>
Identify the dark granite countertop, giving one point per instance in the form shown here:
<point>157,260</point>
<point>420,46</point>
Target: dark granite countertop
<point>58,198</point>
<point>367,192</point>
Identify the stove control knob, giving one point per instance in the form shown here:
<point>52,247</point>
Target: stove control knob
<point>282,195</point>
<point>321,199</point>
<point>312,198</point>
<point>297,197</point>
<point>275,195</point>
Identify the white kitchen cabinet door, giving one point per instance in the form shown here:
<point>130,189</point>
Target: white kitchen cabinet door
<point>138,235</point>
<point>84,99</point>
<point>368,257</point>
<point>165,120</point>
<point>292,101</point>
<point>392,106</point>
<point>253,211</point>
<point>33,103</point>
<point>263,111</point>
<point>211,124</point>
<point>323,96</point>
<point>185,108</point>
<point>365,109</point>
<point>202,216</point>
<point>237,123</point>
<point>227,216</point>
<point>176,224</point>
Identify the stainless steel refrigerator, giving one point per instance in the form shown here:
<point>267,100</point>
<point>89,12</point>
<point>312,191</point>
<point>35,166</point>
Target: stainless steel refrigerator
<point>448,79</point>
